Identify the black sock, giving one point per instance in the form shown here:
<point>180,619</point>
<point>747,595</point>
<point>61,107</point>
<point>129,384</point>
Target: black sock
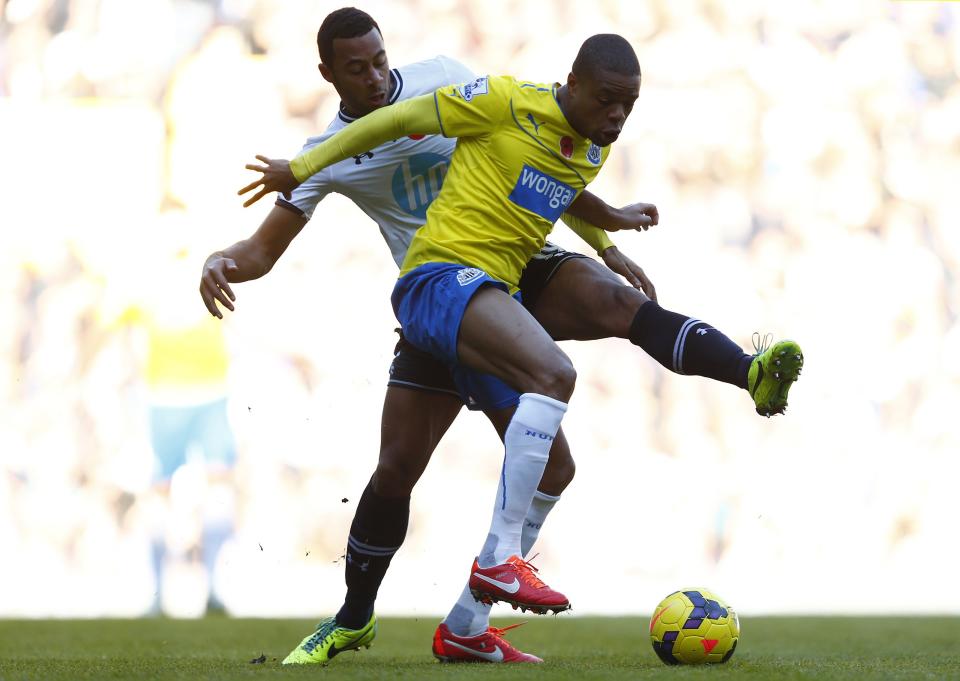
<point>378,529</point>
<point>688,346</point>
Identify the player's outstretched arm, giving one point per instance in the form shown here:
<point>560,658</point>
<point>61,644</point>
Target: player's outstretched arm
<point>276,177</point>
<point>636,216</point>
<point>612,257</point>
<point>588,208</point>
<point>590,217</point>
<point>248,259</point>
<point>591,209</point>
<point>596,211</point>
<point>416,116</point>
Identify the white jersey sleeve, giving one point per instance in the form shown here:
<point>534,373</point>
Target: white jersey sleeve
<point>304,199</point>
<point>395,183</point>
<point>455,71</point>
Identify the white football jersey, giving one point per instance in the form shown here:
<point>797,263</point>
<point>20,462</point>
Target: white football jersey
<point>395,182</point>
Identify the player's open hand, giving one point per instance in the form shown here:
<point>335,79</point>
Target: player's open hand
<point>214,284</point>
<point>638,216</point>
<point>277,177</point>
<point>629,270</point>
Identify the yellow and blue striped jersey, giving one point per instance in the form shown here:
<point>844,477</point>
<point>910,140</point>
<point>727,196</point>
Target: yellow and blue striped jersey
<point>517,166</point>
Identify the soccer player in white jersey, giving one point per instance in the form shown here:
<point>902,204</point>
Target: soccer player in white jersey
<point>593,305</point>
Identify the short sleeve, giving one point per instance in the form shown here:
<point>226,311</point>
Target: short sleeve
<point>474,108</point>
<point>454,71</point>
<point>304,198</point>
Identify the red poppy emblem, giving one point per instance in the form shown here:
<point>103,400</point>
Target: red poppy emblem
<point>566,146</point>
<point>416,138</point>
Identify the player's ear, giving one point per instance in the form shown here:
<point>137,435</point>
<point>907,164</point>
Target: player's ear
<point>571,81</point>
<point>325,72</point>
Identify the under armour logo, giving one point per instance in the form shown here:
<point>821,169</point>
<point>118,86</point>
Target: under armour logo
<point>359,157</point>
<point>364,566</point>
<point>701,332</point>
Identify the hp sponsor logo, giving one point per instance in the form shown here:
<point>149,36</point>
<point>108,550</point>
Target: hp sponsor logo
<point>417,181</point>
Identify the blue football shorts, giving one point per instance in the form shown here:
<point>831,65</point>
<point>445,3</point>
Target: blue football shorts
<point>416,369</point>
<point>429,303</point>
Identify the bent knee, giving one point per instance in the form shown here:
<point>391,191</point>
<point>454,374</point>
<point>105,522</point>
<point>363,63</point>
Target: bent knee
<point>558,378</point>
<point>626,299</point>
<point>617,305</point>
<point>396,477</point>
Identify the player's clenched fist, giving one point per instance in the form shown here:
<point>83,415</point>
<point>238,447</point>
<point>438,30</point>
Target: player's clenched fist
<point>638,216</point>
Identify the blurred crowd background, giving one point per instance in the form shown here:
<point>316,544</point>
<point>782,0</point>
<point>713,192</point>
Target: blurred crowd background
<point>805,158</point>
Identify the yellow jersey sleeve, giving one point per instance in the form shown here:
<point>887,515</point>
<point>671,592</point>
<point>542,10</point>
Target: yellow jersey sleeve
<point>415,116</point>
<point>595,237</point>
<point>473,109</point>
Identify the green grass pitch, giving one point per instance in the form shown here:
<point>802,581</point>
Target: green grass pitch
<point>576,649</point>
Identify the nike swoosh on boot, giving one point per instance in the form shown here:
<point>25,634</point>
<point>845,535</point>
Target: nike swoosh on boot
<point>510,587</point>
<point>495,656</point>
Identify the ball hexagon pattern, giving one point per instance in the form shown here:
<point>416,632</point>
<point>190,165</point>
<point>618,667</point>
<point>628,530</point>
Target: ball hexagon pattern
<point>694,626</point>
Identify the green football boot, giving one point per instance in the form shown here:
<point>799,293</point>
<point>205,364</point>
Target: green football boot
<point>772,372</point>
<point>330,640</point>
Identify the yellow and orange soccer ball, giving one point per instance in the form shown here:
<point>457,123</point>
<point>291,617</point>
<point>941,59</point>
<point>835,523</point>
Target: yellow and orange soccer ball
<point>694,626</point>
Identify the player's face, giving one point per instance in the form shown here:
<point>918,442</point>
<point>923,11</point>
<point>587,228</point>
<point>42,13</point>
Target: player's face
<point>360,72</point>
<point>600,104</point>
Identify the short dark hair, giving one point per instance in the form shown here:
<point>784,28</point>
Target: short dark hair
<point>348,22</point>
<point>607,52</point>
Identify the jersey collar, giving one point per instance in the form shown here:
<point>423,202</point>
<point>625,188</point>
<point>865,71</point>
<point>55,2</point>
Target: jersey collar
<point>553,92</point>
<point>396,86</point>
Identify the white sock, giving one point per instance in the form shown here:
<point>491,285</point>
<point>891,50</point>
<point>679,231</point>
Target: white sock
<point>468,617</point>
<point>541,505</point>
<point>527,447</point>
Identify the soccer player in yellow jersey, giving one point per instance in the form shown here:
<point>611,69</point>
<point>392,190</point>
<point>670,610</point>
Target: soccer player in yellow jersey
<point>531,149</point>
<point>525,152</point>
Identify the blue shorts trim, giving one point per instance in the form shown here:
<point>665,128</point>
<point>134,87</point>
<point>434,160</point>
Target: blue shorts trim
<point>429,303</point>
<point>483,392</point>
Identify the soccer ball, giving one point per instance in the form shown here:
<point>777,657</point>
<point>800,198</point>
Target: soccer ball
<point>692,627</point>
